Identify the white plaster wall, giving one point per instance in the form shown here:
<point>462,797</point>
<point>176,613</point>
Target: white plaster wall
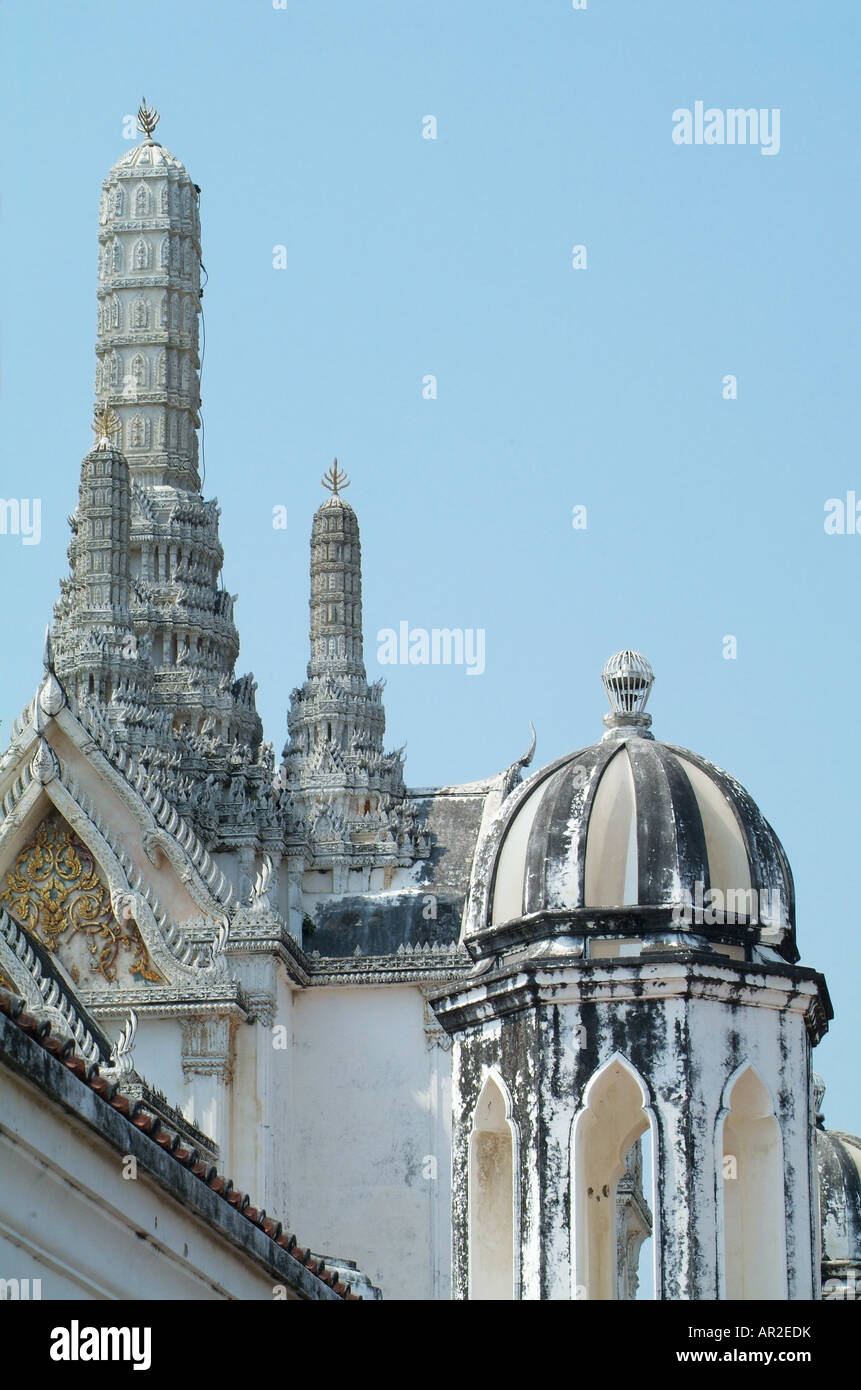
<point>69,1218</point>
<point>371,1137</point>
<point>158,1055</point>
<point>261,1097</point>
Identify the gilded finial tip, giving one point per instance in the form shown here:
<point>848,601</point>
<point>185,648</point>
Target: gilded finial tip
<point>148,119</point>
<point>335,479</point>
<point>106,422</point>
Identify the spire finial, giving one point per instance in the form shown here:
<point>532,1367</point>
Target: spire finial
<point>106,422</point>
<point>335,479</point>
<point>148,119</point>
<point>628,679</point>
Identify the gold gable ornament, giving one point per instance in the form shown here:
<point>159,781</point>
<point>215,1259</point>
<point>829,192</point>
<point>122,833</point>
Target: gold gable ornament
<point>55,892</point>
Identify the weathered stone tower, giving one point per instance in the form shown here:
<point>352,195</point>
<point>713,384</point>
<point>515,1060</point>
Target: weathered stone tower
<point>631,922</point>
<point>93,614</point>
<point>153,664</point>
<point>347,791</point>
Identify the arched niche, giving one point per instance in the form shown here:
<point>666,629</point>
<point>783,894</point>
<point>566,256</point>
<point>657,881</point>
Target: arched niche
<point>753,1205</point>
<point>492,1195</point>
<point>614,1115</point>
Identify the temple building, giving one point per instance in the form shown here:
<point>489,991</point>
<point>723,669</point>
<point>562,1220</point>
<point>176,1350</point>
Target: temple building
<point>294,1029</point>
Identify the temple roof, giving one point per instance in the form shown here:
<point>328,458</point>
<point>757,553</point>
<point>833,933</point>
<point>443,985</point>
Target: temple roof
<point>26,1044</point>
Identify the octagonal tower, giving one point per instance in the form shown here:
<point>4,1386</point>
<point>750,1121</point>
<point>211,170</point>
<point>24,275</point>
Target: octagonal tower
<point>631,919</point>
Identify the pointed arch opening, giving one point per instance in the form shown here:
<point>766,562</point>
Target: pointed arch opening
<point>610,1215</point>
<point>753,1206</point>
<point>492,1196</point>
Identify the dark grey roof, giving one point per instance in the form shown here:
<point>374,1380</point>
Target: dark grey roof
<point>379,923</point>
<point>691,824</point>
<point>453,816</point>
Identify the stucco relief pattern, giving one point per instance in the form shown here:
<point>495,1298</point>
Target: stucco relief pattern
<point>55,891</point>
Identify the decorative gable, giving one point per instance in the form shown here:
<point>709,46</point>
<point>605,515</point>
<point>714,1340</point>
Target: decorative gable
<point>56,891</point>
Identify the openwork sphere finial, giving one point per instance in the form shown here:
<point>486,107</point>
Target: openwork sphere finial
<point>628,678</point>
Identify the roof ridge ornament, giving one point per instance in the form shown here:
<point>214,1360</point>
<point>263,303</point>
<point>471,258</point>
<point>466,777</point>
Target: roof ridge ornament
<point>148,119</point>
<point>106,423</point>
<point>51,695</point>
<point>628,679</point>
<point>335,479</point>
<point>48,653</point>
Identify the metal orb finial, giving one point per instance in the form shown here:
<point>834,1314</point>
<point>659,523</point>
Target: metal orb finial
<point>335,479</point>
<point>628,679</point>
<point>106,422</point>
<point>148,119</point>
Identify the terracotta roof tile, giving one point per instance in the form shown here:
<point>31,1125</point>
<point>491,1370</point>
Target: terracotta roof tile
<point>108,1091</point>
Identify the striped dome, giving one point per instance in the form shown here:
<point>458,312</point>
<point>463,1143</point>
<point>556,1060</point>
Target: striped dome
<point>631,823</point>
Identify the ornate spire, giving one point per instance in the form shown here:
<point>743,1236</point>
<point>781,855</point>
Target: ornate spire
<point>349,791</point>
<point>148,119</point>
<point>336,587</point>
<point>335,479</point>
<point>149,308</point>
<point>144,632</point>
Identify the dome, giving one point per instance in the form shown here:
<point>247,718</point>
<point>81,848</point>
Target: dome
<point>630,824</point>
<point>149,157</point>
<point>838,1162</point>
<point>335,479</point>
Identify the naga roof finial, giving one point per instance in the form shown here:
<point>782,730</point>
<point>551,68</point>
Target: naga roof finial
<point>48,653</point>
<point>148,119</point>
<point>106,422</point>
<point>335,479</point>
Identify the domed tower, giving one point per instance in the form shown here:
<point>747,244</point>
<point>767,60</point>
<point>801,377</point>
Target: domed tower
<point>838,1158</point>
<point>631,919</point>
<point>347,792</point>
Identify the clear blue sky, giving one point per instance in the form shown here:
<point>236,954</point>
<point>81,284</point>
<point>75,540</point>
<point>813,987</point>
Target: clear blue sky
<point>557,387</point>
